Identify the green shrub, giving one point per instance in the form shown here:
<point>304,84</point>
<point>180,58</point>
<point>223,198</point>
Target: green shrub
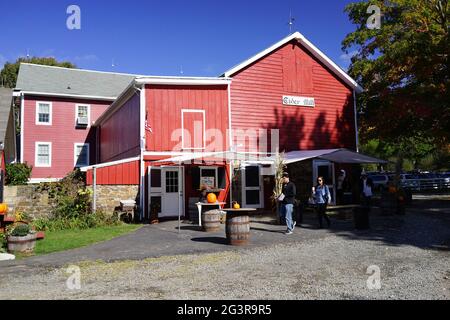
<point>18,173</point>
<point>21,230</point>
<point>2,242</point>
<point>85,221</point>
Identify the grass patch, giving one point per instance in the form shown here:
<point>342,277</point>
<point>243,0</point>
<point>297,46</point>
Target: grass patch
<point>69,239</point>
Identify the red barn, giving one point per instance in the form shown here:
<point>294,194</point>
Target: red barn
<point>296,90</point>
<point>160,139</point>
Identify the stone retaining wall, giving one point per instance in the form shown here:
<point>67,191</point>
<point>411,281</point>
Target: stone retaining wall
<point>26,199</point>
<point>109,196</point>
<point>38,204</point>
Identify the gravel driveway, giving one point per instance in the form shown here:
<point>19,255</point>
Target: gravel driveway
<point>411,252</point>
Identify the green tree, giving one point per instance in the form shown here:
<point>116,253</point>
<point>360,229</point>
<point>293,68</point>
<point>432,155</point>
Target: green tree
<point>9,73</point>
<point>404,69</point>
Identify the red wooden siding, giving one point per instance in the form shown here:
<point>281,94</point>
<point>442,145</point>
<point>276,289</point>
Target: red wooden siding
<point>193,123</point>
<point>256,101</point>
<point>63,134</point>
<point>118,174</point>
<point>164,106</point>
<point>119,134</point>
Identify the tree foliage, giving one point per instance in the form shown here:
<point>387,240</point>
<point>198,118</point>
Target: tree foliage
<point>404,69</point>
<point>9,73</point>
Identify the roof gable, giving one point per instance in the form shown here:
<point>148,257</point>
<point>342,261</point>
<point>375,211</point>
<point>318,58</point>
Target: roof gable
<point>308,46</point>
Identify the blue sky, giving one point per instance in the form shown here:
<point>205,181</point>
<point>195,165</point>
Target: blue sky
<point>159,37</point>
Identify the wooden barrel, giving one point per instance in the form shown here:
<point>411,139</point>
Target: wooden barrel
<point>237,229</point>
<point>211,220</point>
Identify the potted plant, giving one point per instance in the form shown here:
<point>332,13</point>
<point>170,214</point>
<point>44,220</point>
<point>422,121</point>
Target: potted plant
<point>21,238</point>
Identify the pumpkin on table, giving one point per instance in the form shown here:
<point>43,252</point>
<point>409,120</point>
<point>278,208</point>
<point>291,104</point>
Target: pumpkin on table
<point>211,198</point>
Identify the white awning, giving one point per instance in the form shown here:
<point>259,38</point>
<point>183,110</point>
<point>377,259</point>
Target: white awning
<point>333,155</point>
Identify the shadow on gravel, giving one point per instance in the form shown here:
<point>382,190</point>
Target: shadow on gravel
<point>426,225</point>
<point>216,240</point>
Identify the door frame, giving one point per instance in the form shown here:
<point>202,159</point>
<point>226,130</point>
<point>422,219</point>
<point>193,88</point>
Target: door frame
<point>244,188</point>
<point>161,191</point>
<point>330,184</point>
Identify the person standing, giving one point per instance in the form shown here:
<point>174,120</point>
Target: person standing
<point>287,199</point>
<point>365,187</point>
<point>322,197</point>
<point>341,186</point>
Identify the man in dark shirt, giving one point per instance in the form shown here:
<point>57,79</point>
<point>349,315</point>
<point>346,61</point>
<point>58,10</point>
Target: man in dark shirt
<point>287,199</point>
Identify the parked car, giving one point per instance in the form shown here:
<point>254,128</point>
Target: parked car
<point>380,181</point>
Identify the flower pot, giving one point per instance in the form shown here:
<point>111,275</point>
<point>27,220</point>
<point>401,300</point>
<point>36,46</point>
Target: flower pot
<point>24,244</point>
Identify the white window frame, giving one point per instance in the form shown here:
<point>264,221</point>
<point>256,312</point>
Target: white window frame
<point>75,159</point>
<point>216,175</point>
<point>49,123</point>
<point>183,111</point>
<point>89,112</point>
<point>36,163</point>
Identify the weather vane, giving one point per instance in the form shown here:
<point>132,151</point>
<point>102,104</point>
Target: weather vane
<point>291,22</point>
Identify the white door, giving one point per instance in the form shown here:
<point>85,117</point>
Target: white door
<point>325,169</point>
<point>172,192</point>
<point>252,187</point>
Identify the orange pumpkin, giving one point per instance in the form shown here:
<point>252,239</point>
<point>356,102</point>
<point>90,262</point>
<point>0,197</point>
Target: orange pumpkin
<point>211,198</point>
<point>3,208</point>
<point>392,189</point>
<point>236,206</point>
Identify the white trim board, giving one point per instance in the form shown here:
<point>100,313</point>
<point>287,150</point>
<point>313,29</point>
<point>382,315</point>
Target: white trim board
<point>111,163</point>
<point>64,95</point>
<point>310,47</point>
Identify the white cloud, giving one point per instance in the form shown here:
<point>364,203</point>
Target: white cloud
<point>346,57</point>
<point>2,61</point>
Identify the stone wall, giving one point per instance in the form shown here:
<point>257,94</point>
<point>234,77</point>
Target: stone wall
<point>27,199</point>
<point>38,203</point>
<point>109,196</point>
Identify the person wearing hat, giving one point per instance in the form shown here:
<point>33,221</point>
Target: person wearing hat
<point>287,199</point>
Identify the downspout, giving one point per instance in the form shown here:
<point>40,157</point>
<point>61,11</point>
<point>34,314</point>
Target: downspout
<point>94,189</point>
<point>230,139</point>
<point>22,113</point>
<point>356,121</point>
<point>142,143</point>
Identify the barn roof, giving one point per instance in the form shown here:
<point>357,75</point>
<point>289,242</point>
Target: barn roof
<point>310,47</point>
